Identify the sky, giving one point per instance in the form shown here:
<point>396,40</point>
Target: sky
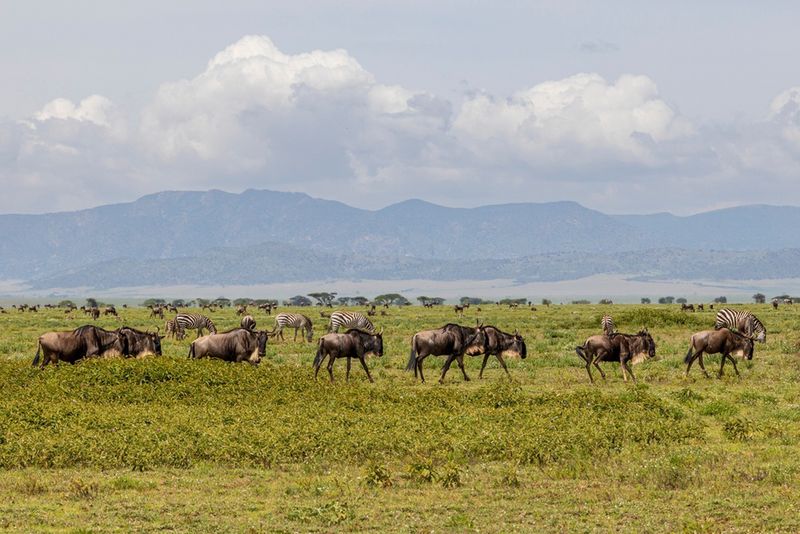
<point>625,107</point>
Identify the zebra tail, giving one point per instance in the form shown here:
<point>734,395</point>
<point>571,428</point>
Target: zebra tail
<point>412,358</point>
<point>318,357</point>
<point>688,356</point>
<point>36,358</point>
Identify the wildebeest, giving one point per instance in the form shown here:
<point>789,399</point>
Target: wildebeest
<point>241,309</point>
<point>110,310</point>
<point>352,344</point>
<point>157,311</point>
<point>459,310</point>
<point>624,348</point>
<point>141,343</point>
<point>237,345</point>
<point>723,341</point>
<point>775,304</point>
<point>95,313</point>
<point>451,340</point>
<point>499,344</point>
<point>83,342</point>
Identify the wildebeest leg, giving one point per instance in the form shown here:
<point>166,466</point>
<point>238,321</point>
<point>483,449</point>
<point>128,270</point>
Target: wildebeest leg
<point>483,365</point>
<point>420,359</point>
<point>703,367</point>
<point>446,366</point>
<point>347,375</point>
<point>625,367</point>
<point>330,365</point>
<point>733,361</point>
<point>596,362</point>
<point>460,360</point>
<point>722,364</point>
<point>503,363</point>
<point>364,365</point>
<point>318,365</point>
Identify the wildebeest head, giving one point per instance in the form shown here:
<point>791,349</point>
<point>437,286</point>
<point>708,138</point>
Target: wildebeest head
<point>517,346</point>
<point>261,342</point>
<point>374,343</point>
<point>647,346</point>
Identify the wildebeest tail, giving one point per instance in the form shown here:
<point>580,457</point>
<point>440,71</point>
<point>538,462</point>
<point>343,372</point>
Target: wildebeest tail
<point>688,356</point>
<point>412,358</point>
<point>191,350</point>
<point>581,351</point>
<point>36,358</point>
<point>318,357</point>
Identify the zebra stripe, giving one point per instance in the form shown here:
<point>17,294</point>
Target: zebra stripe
<point>194,321</point>
<point>248,323</point>
<point>608,325</point>
<point>296,321</point>
<point>741,321</point>
<point>350,320</point>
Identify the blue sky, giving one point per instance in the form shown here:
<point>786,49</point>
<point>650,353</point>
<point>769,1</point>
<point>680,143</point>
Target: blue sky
<point>627,107</point>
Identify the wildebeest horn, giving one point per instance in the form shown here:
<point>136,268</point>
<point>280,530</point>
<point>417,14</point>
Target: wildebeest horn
<point>380,332</point>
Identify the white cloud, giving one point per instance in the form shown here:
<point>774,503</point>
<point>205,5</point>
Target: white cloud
<point>320,122</point>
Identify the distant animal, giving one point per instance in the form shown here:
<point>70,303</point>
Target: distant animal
<point>241,310</point>
<point>350,320</point>
<point>607,324</point>
<point>371,313</point>
<point>95,313</point>
<point>172,308</point>
<point>110,310</point>
<point>499,344</point>
<point>237,345</point>
<point>324,314</point>
<point>248,323</point>
<point>141,343</point>
<point>194,321</point>
<point>267,307</point>
<point>700,307</point>
<point>451,340</point>
<point>687,307</point>
<point>742,321</point>
<point>774,304</point>
<point>352,344</point>
<point>293,320</point>
<point>384,314</point>
<point>459,310</point>
<point>83,342</point>
<point>788,301</point>
<point>171,330</point>
<point>723,341</point>
<point>627,349</point>
<point>157,311</point>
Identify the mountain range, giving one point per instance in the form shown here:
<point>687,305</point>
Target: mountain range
<point>258,236</point>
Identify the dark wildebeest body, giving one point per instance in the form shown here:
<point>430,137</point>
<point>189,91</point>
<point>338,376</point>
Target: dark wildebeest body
<point>83,342</point>
<point>352,344</point>
<point>141,343</point>
<point>499,343</point>
<point>627,349</point>
<point>725,342</point>
<point>452,340</point>
<point>237,345</point>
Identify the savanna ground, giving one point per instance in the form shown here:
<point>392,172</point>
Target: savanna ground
<point>168,444</point>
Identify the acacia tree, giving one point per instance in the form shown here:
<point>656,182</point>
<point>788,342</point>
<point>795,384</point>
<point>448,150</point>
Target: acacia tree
<point>299,300</point>
<point>645,300</point>
<point>391,298</point>
<point>760,298</point>
<point>323,298</point>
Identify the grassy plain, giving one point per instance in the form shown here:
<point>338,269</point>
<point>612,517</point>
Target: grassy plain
<point>167,444</point>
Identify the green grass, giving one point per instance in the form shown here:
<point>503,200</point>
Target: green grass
<point>202,446</point>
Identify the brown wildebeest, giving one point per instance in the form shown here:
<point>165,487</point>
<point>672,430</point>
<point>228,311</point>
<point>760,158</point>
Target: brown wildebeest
<point>110,310</point>
<point>499,344</point>
<point>774,304</point>
<point>452,340</point>
<point>141,343</point>
<point>723,341</point>
<point>83,342</point>
<point>157,311</point>
<point>248,323</point>
<point>459,310</point>
<point>95,313</point>
<point>352,344</point>
<point>237,345</point>
<point>700,307</point>
<point>241,310</point>
<point>624,348</point>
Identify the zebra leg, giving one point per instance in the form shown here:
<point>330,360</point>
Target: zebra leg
<point>295,336</point>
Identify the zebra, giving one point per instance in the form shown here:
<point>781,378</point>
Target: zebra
<point>741,321</point>
<point>350,320</point>
<point>296,321</point>
<point>248,323</point>
<point>608,325</point>
<point>171,329</point>
<point>193,321</point>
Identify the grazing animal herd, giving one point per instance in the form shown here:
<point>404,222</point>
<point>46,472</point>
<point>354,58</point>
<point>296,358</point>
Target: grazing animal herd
<point>734,334</point>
